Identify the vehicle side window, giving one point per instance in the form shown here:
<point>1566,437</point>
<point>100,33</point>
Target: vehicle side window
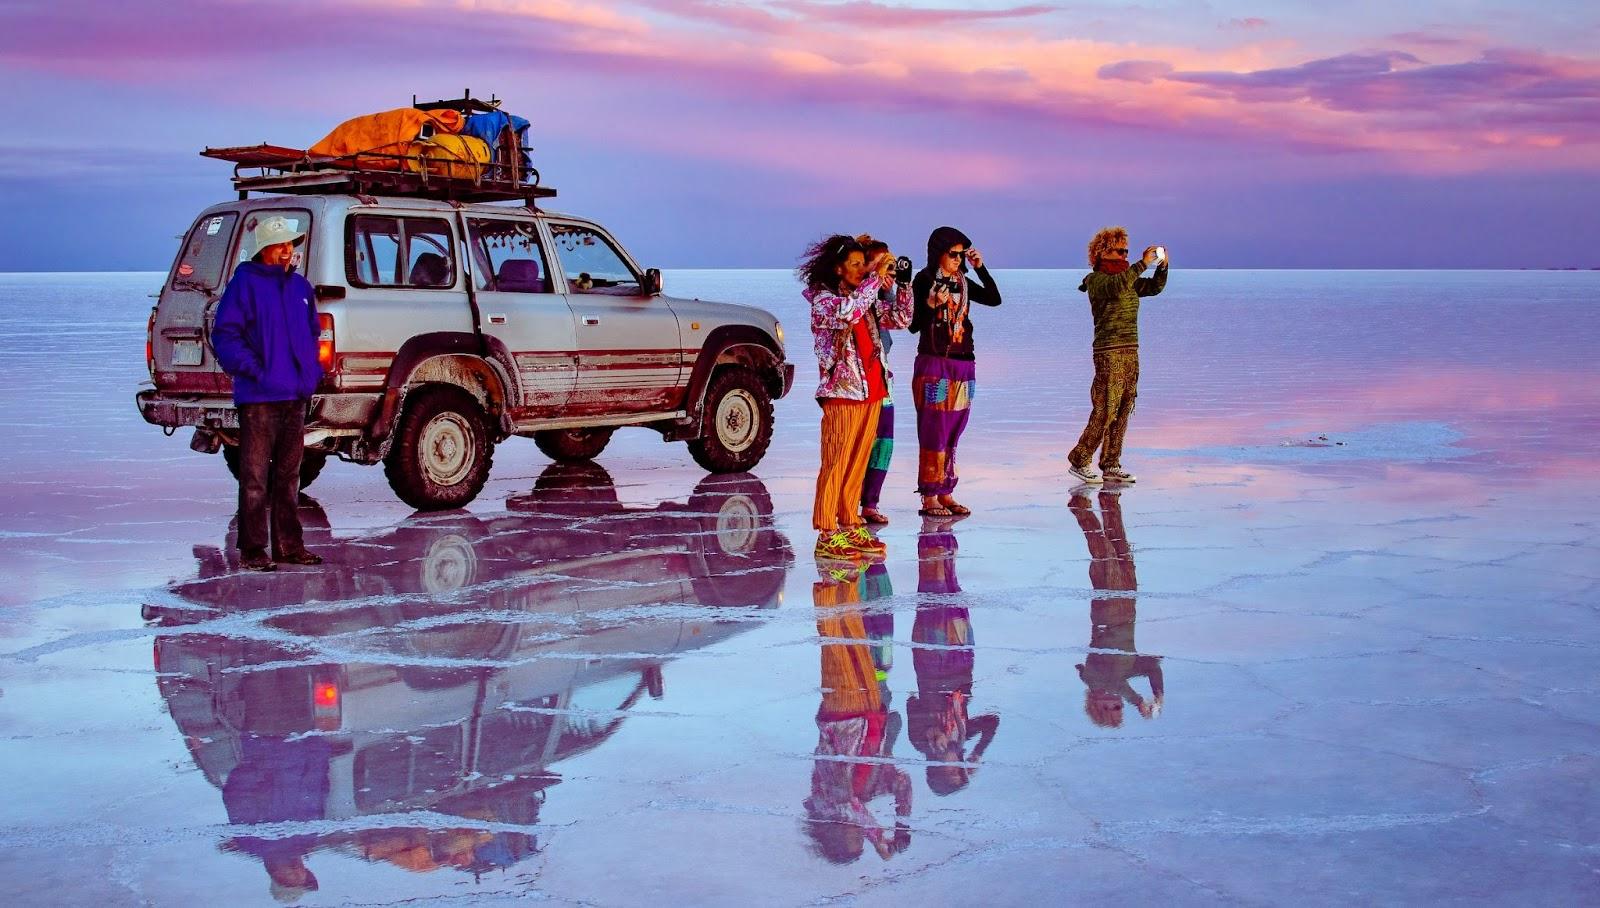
<point>508,256</point>
<point>205,252</point>
<point>592,264</point>
<point>384,251</point>
<point>299,219</point>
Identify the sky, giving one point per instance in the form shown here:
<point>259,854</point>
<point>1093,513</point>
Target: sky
<point>717,134</point>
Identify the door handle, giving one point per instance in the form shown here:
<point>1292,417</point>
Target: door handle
<point>497,319</point>
<point>591,320</point>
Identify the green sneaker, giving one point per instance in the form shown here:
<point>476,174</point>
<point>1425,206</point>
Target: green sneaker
<point>836,545</point>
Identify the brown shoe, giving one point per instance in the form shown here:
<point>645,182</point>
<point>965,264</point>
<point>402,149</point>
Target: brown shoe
<point>256,561</point>
<point>300,557</point>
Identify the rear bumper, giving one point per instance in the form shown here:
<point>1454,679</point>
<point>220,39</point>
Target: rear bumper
<point>176,412</point>
<point>328,411</point>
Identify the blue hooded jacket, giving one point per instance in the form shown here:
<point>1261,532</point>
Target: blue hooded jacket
<point>266,335</point>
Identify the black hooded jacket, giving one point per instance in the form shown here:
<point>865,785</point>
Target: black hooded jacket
<point>936,337</point>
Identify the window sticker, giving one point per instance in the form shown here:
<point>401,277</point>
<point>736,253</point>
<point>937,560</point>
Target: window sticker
<point>214,226</point>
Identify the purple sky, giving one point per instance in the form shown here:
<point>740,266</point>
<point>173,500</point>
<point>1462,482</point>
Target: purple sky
<point>705,133</point>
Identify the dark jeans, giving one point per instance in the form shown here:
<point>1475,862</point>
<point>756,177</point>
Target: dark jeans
<point>271,442</point>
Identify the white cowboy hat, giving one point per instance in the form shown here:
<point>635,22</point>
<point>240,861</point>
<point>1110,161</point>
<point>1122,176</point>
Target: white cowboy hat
<point>274,230</point>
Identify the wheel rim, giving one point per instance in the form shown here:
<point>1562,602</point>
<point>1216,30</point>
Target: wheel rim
<point>737,419</point>
<point>446,450</point>
<point>738,525</point>
<point>451,563</point>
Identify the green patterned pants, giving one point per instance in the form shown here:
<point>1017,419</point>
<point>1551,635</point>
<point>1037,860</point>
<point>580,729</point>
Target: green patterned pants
<point>1115,388</point>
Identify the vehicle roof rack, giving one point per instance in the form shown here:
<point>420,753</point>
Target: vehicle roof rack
<point>278,169</point>
<point>466,104</point>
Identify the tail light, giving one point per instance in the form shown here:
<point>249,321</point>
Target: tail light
<point>325,709</point>
<point>325,341</point>
<point>150,344</point>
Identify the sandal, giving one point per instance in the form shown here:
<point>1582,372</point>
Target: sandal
<point>874,517</point>
<point>959,510</point>
<point>936,511</point>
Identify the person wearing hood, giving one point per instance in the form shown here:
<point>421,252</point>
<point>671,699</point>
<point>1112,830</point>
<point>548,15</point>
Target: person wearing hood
<point>943,376</point>
<point>1114,290</point>
<point>265,337</point>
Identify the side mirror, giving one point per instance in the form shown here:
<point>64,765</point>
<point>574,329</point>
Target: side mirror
<point>652,281</point>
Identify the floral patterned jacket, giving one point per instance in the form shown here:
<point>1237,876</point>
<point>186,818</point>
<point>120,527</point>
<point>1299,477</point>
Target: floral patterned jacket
<point>840,371</point>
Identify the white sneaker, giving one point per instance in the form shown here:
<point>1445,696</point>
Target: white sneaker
<point>1118,474</point>
<point>1086,473</point>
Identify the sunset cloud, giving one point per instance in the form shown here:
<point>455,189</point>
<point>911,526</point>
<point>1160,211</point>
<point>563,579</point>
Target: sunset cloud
<point>1028,99</point>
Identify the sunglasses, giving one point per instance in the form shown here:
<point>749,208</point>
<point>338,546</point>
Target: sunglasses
<point>955,253</point>
<point>1118,251</point>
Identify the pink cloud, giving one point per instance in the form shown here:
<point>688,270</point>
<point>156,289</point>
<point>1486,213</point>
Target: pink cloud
<point>1141,71</point>
<point>1498,108</point>
<point>869,14</point>
<point>1250,23</point>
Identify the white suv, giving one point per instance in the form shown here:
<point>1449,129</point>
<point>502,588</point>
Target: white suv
<point>449,326</point>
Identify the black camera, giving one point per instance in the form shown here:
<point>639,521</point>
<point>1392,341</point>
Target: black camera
<point>948,283</point>
<point>902,270</point>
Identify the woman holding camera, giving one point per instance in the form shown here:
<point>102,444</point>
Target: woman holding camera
<point>847,317</point>
<point>943,378</point>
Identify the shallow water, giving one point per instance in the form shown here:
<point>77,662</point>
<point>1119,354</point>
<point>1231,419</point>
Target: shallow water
<point>1361,558</point>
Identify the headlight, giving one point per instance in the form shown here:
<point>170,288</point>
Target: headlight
<point>777,328</point>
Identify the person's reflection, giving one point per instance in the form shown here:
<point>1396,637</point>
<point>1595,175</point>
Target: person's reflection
<point>1113,661</point>
<point>855,729</point>
<point>938,716</point>
<point>279,780</point>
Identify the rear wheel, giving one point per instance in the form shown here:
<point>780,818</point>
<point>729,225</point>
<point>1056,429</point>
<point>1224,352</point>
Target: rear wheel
<point>738,422</point>
<point>441,453</point>
<point>311,463</point>
<point>572,445</point>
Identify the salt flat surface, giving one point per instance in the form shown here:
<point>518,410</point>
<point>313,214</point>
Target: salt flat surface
<point>1362,559</point>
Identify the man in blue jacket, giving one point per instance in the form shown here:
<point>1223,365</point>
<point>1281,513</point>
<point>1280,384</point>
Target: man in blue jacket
<point>266,340</point>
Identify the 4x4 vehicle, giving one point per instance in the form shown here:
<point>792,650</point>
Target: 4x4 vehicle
<point>451,322</point>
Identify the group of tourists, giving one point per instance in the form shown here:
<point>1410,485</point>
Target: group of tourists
<point>858,295</point>
<point>859,292</point>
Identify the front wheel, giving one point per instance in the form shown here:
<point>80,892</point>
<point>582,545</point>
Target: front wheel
<point>441,453</point>
<point>738,422</point>
<point>311,464</point>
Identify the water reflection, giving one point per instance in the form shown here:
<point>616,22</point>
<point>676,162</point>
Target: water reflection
<point>1109,669</point>
<point>439,670</point>
<point>938,716</point>
<point>856,730</point>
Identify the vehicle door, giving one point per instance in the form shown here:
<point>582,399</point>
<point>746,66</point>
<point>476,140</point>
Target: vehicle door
<point>630,354</point>
<point>405,279</point>
<point>523,309</point>
<point>181,357</point>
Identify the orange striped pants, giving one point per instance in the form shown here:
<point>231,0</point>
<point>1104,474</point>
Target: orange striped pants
<point>849,428</point>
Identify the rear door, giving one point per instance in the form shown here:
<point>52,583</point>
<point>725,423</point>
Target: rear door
<point>630,357</point>
<point>214,246</point>
<point>405,276</point>
<point>523,309</point>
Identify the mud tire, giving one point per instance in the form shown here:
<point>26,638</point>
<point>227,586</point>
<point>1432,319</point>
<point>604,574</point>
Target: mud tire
<point>311,464</point>
<point>442,451</point>
<point>737,420</point>
<point>572,445</point>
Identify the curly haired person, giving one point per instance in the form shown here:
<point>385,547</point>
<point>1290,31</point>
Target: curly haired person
<point>852,301</point>
<point>1114,288</point>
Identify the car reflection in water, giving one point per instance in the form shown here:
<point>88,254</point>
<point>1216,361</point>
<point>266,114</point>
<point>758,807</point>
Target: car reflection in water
<point>1113,662</point>
<point>440,668</point>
